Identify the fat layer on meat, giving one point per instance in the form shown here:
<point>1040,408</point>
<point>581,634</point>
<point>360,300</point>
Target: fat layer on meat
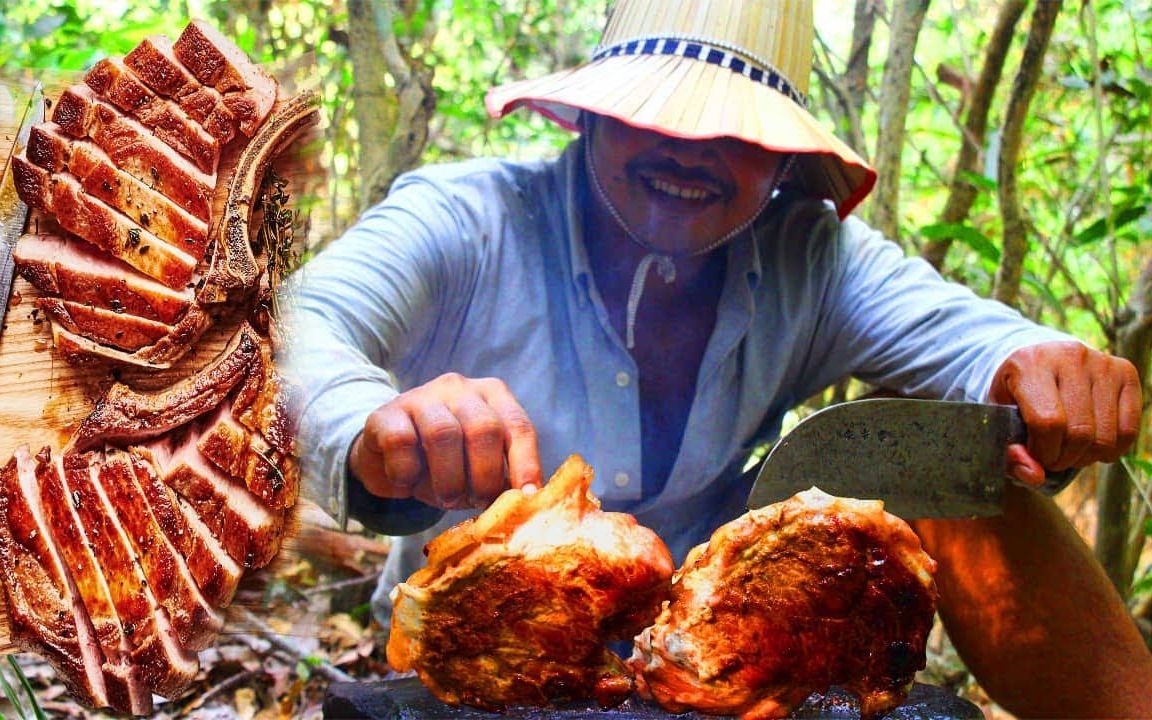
<point>114,82</point>
<point>82,214</point>
<point>74,270</point>
<point>134,149</point>
<point>215,572</point>
<point>52,149</point>
<point>107,327</point>
<point>123,679</point>
<point>155,63</point>
<point>45,611</point>
<point>249,92</point>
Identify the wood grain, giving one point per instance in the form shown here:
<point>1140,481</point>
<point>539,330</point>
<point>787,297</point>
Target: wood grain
<point>42,397</point>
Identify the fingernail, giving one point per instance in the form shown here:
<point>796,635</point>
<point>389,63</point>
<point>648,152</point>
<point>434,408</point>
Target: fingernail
<point>1026,474</point>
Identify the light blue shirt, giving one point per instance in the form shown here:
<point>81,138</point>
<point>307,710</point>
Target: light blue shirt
<point>479,268</point>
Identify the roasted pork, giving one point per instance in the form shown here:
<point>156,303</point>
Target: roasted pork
<point>108,327</point>
<point>787,600</point>
<point>249,92</point>
<point>515,607</point>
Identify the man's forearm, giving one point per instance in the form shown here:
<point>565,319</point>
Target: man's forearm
<point>1034,616</point>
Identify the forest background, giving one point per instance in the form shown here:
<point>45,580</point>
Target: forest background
<point>1012,139</point>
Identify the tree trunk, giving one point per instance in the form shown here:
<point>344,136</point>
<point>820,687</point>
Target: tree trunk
<point>855,78</point>
<point>962,193</point>
<point>1116,548</point>
<point>1007,287</point>
<point>907,19</point>
<point>392,117</point>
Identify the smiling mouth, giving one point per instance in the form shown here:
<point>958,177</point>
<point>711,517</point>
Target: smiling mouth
<point>671,189</point>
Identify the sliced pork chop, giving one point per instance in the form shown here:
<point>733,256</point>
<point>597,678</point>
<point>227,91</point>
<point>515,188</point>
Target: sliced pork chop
<point>155,63</point>
<point>123,679</point>
<point>249,92</point>
<point>181,603</point>
<point>213,569</point>
<point>134,149</point>
<point>82,214</point>
<point>79,350</point>
<point>107,327</point>
<point>246,455</point>
<point>114,82</point>
<point>165,667</point>
<point>52,149</point>
<point>46,614</point>
<point>74,270</point>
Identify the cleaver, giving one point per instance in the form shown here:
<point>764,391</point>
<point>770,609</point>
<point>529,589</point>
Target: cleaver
<point>923,458</point>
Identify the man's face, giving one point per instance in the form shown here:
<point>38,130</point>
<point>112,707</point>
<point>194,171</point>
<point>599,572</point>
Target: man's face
<point>679,195</point>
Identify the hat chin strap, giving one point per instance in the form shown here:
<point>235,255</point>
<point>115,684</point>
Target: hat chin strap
<point>665,262</point>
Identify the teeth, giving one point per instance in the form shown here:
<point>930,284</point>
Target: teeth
<point>683,193</point>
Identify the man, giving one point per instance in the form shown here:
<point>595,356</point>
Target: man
<point>656,299</point>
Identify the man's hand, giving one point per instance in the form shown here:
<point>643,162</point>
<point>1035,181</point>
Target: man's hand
<point>453,443</point>
<point>1080,405</point>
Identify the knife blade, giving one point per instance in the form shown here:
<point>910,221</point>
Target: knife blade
<point>923,458</point>
<point>13,210</point>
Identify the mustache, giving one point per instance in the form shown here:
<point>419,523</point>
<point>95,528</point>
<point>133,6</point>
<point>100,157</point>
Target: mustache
<point>670,167</point>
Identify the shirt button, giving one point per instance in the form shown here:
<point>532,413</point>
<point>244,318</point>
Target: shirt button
<point>622,379</point>
<point>622,480</point>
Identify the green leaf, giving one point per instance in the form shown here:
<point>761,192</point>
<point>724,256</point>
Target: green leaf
<point>966,234</point>
<point>982,182</point>
<point>1122,217</point>
<point>36,709</point>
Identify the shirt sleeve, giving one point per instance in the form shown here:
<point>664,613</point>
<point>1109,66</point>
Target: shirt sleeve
<point>368,303</point>
<point>894,322</point>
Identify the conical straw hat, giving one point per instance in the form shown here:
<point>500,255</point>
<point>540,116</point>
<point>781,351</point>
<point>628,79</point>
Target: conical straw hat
<point>703,69</point>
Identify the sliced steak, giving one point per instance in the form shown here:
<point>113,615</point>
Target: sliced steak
<point>155,63</point>
<point>80,213</point>
<point>247,456</point>
<point>79,350</point>
<point>181,603</point>
<point>165,667</point>
<point>46,614</point>
<point>213,569</point>
<point>247,529</point>
<point>134,149</point>
<point>114,82</point>
<point>249,92</point>
<point>124,415</point>
<point>76,271</point>
<point>107,327</point>
<point>125,683</point>
<point>52,149</point>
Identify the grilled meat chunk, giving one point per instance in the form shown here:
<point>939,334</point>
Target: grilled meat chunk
<point>52,149</point>
<point>114,82</point>
<point>75,271</point>
<point>108,327</point>
<point>787,600</point>
<point>249,92</point>
<point>515,606</point>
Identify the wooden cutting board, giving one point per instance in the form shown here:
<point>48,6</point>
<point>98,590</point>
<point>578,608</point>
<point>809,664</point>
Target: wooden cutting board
<point>408,699</point>
<point>42,397</point>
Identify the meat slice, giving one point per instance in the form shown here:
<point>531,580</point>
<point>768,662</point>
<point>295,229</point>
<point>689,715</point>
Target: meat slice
<point>155,63</point>
<point>515,606</point>
<point>124,415</point>
<point>46,614</point>
<point>52,149</point>
<point>79,350</point>
<point>114,82</point>
<point>247,529</point>
<point>82,214</point>
<point>164,666</point>
<point>243,454</point>
<point>249,92</point>
<point>787,600</point>
<point>177,601</point>
<point>107,327</point>
<point>123,679</point>
<point>134,149</point>
<point>76,271</point>
<point>215,572</point>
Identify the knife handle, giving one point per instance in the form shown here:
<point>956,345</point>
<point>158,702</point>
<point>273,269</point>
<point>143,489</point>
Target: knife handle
<point>1054,480</point>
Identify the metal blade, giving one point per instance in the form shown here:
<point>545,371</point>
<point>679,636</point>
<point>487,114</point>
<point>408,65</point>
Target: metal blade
<point>923,458</point>
<point>13,210</point>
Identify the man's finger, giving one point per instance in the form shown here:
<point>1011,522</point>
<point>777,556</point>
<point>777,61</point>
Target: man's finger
<point>398,464</point>
<point>1040,405</point>
<point>519,436</point>
<point>1023,467</point>
<point>483,433</point>
<point>443,443</point>
<point>1077,399</point>
<point>1129,410</point>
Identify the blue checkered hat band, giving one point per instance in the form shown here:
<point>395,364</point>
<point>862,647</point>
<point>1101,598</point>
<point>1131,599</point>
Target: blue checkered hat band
<point>711,54</point>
